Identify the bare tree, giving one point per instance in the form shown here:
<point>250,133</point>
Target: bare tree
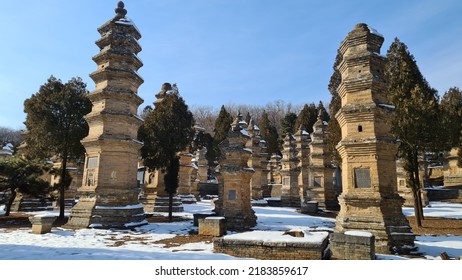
<point>205,116</point>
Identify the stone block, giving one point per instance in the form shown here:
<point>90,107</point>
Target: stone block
<point>309,207</point>
<point>198,216</point>
<point>352,245</point>
<point>42,224</point>
<point>212,226</point>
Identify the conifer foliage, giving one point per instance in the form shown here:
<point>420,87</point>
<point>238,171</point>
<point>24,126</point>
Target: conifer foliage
<point>167,130</point>
<point>55,124</point>
<point>333,130</point>
<point>270,134</point>
<point>451,107</point>
<point>23,175</point>
<point>307,117</point>
<point>288,123</point>
<point>416,120</point>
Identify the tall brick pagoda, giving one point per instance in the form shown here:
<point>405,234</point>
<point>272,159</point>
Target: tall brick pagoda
<point>109,192</point>
<point>234,177</point>
<point>369,201</point>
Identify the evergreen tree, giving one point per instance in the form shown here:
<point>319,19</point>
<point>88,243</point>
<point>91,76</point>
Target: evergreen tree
<point>451,108</point>
<point>324,115</point>
<point>333,132</point>
<point>269,133</point>
<point>415,122</point>
<point>167,130</point>
<point>247,118</point>
<point>307,118</point>
<point>55,124</point>
<point>288,123</point>
<point>23,175</point>
<point>146,111</point>
<point>171,181</point>
<point>222,125</point>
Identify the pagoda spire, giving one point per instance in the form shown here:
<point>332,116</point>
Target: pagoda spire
<point>120,11</point>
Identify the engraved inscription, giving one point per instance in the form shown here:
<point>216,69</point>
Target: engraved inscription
<point>362,177</point>
<point>317,181</point>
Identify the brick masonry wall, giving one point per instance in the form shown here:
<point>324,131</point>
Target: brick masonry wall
<point>270,250</point>
<point>352,247</point>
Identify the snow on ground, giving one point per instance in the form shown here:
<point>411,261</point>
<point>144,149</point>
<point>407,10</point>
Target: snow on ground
<point>139,244</point>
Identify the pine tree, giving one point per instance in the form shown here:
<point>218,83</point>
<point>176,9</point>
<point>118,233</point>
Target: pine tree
<point>451,108</point>
<point>23,175</point>
<point>333,132</point>
<point>222,125</point>
<point>269,133</point>
<point>415,122</point>
<point>167,130</point>
<point>288,123</point>
<point>248,117</point>
<point>306,118</point>
<point>324,115</point>
<point>55,124</point>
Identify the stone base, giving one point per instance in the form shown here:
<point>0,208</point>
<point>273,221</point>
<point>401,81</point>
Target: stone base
<point>291,201</point>
<point>161,204</point>
<point>281,246</point>
<point>42,224</point>
<point>241,221</point>
<point>212,226</point>
<point>90,212</point>
<point>274,202</point>
<point>31,205</point>
<point>198,216</point>
<point>352,246</point>
<point>309,207</point>
<point>379,214</point>
<point>187,198</point>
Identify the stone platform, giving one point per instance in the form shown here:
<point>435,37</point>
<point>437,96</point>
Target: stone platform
<point>273,245</point>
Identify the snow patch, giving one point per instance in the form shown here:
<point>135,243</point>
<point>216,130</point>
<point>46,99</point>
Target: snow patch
<point>279,236</point>
<point>358,233</point>
<point>135,206</point>
<point>373,31</point>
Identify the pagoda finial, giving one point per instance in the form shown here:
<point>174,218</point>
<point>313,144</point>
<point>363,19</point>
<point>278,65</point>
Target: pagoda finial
<point>120,11</point>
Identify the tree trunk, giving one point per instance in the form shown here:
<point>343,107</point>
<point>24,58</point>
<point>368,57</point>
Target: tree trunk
<point>10,202</point>
<point>422,216</point>
<point>62,186</point>
<point>170,207</point>
<point>415,181</point>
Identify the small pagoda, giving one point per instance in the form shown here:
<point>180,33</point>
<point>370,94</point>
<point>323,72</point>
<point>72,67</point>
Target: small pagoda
<point>234,177</point>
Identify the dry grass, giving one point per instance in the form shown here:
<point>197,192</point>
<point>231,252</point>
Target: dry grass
<point>436,226</point>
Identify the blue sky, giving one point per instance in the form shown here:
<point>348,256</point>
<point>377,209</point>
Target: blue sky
<point>220,51</point>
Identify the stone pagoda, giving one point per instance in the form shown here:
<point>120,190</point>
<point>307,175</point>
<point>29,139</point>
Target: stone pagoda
<point>321,187</point>
<point>302,141</point>
<point>234,177</point>
<point>369,201</point>
<point>255,160</point>
<point>290,170</point>
<point>109,192</point>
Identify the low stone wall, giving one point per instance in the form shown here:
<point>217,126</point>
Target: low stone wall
<point>271,250</point>
<point>352,246</point>
<point>445,193</point>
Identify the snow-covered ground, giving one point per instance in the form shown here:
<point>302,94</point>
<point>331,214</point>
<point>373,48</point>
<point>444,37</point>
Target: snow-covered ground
<point>90,244</point>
